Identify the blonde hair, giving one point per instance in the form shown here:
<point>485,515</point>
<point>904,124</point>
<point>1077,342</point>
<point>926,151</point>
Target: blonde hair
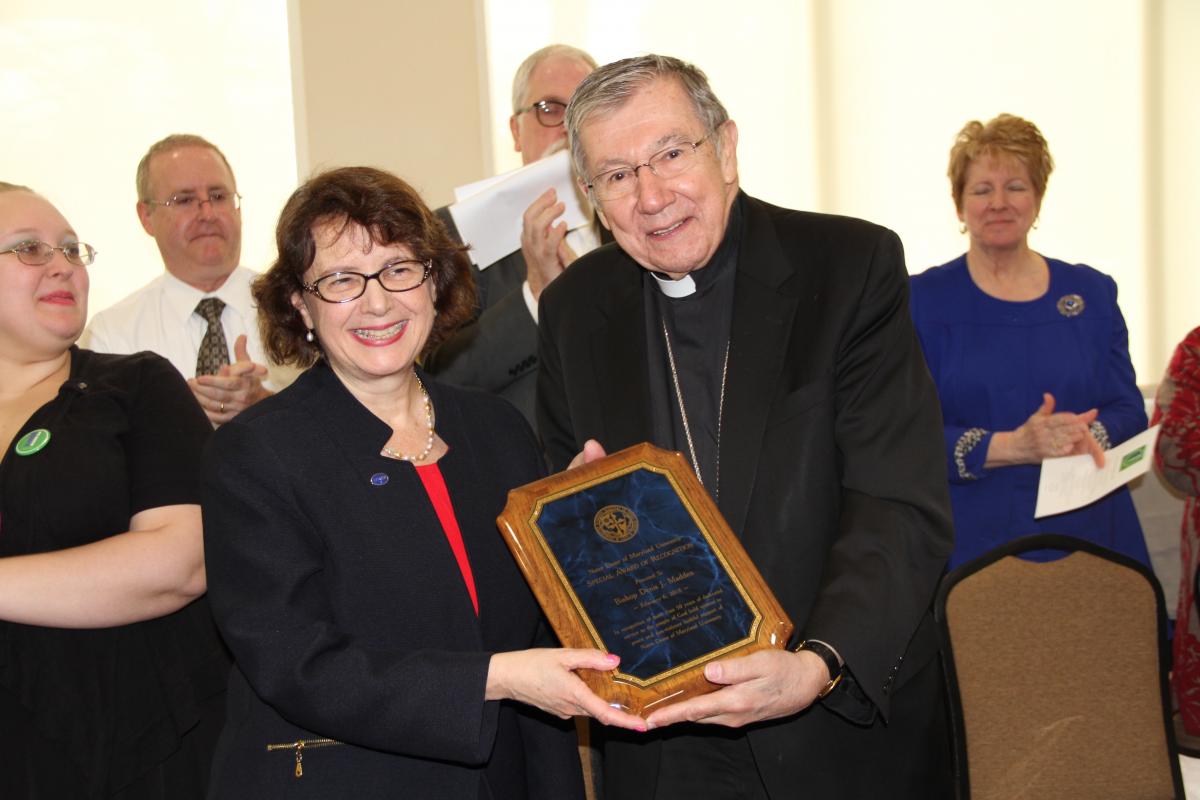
<point>1004,135</point>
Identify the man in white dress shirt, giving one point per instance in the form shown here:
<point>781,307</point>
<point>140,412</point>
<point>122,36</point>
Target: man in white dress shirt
<point>199,313</point>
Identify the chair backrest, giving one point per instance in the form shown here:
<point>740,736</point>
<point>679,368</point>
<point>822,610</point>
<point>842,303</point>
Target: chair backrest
<point>1057,675</point>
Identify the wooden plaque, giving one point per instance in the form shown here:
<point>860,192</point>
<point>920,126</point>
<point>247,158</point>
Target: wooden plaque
<point>630,555</point>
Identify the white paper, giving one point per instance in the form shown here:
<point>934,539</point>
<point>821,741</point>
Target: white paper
<point>1072,482</point>
<point>488,212</point>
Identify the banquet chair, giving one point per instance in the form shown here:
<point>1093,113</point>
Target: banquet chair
<point>1056,675</point>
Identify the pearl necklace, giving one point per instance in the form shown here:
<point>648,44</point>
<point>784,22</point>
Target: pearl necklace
<point>390,453</point>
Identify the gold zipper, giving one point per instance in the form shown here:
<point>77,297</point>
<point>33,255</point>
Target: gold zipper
<point>300,745</point>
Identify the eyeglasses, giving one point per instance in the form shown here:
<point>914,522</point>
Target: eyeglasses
<point>613,184</point>
<point>550,113</point>
<point>219,199</point>
<point>36,254</point>
<point>396,276</point>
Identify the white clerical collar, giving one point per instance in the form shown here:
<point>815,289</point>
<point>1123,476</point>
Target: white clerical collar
<point>675,288</point>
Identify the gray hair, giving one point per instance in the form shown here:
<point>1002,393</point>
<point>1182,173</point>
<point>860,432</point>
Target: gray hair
<point>611,86</point>
<point>175,141</point>
<point>521,79</point>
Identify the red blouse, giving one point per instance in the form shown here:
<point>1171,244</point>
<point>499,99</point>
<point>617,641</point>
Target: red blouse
<point>435,487</point>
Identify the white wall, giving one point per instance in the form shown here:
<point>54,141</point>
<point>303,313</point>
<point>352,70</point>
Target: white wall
<point>1176,215</point>
<point>847,106</point>
<point>908,76</point>
<point>851,106</point>
<point>88,87</point>
<point>765,79</point>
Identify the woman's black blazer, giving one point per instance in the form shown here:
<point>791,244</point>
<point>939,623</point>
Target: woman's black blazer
<point>334,585</point>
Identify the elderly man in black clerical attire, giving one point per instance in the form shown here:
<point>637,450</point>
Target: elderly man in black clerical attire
<point>774,349</point>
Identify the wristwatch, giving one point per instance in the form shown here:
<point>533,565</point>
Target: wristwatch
<point>831,663</point>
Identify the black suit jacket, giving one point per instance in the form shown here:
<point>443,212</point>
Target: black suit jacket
<point>333,583</point>
<point>831,466</point>
<point>497,352</point>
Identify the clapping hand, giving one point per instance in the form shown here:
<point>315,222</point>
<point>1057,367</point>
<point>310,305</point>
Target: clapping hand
<point>234,388</point>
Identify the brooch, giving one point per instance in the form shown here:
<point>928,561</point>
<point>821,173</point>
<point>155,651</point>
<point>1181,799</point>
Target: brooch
<point>1070,305</point>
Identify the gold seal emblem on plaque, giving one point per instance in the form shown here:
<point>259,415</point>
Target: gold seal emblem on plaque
<point>616,524</point>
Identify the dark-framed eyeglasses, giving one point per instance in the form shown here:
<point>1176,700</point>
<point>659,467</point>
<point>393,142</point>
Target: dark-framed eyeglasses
<point>219,199</point>
<point>613,184</point>
<point>550,113</point>
<point>402,275</point>
<point>36,253</point>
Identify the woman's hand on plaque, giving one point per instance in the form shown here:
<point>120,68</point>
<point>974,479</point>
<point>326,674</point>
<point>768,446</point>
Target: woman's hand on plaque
<point>545,678</point>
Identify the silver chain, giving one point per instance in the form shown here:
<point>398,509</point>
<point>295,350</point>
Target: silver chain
<point>687,429</point>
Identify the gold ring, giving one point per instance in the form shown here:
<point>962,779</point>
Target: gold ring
<point>222,408</point>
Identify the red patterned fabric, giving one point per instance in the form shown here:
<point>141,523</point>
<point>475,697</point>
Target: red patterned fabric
<point>1178,459</point>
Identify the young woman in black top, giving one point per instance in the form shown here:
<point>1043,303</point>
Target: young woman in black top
<point>111,672</point>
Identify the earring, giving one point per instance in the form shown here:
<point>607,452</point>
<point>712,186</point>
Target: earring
<point>962,228</point>
<point>308,337</point>
<point>1035,222</point>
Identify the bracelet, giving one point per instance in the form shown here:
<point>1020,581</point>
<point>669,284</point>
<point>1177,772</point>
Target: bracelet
<point>827,655</point>
<point>965,444</point>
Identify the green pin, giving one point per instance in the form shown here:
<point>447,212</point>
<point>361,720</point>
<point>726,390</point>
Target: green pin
<point>32,442</point>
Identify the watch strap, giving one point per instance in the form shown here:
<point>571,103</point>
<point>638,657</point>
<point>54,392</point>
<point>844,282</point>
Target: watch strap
<point>826,654</point>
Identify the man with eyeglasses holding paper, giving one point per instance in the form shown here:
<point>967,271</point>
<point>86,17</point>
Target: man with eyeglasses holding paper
<point>773,349</point>
<point>498,352</point>
<point>198,314</point>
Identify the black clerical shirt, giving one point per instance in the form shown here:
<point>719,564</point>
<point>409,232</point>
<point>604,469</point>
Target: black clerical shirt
<point>698,326</point>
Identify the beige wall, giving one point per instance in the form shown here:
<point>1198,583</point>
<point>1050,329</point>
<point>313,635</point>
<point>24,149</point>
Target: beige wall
<point>396,85</point>
<point>850,107</point>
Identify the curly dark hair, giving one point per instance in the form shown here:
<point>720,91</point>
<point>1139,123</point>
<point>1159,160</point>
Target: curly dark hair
<point>393,213</point>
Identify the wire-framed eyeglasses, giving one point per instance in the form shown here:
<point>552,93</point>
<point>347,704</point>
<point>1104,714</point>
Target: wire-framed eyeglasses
<point>550,113</point>
<point>402,275</point>
<point>36,253</point>
<point>219,199</point>
<point>615,183</point>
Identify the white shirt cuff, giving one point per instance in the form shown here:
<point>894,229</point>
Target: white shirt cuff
<point>530,303</point>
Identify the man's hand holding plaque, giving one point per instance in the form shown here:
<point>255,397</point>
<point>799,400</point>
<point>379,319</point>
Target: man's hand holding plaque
<point>628,554</point>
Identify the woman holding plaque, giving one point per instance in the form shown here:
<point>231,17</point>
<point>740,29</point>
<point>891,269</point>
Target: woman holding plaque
<point>380,628</point>
<point>1030,354</point>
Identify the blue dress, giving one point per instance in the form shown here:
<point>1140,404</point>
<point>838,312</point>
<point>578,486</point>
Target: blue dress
<point>991,360</point>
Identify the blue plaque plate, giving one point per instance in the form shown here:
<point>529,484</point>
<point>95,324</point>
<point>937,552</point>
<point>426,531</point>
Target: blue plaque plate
<point>629,555</point>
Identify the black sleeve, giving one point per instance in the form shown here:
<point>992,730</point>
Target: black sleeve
<point>895,530</point>
<point>166,436</point>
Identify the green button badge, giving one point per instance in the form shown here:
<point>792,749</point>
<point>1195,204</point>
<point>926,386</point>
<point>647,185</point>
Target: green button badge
<point>32,442</point>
